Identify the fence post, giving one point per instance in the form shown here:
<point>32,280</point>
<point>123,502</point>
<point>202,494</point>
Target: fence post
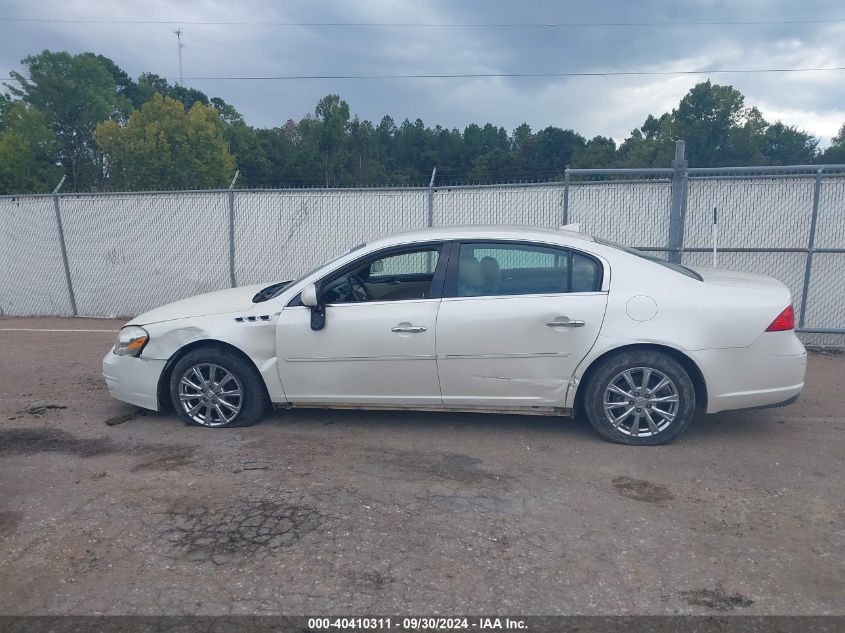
<point>60,227</point>
<point>565,196</point>
<point>430,219</point>
<point>232,282</point>
<point>811,244</point>
<point>676,214</point>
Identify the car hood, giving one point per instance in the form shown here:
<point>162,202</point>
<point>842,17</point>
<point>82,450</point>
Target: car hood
<point>219,302</point>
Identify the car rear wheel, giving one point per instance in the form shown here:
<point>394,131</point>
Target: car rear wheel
<point>212,388</point>
<point>640,397</point>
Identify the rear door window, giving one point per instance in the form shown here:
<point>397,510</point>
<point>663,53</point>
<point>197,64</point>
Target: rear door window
<point>500,269</point>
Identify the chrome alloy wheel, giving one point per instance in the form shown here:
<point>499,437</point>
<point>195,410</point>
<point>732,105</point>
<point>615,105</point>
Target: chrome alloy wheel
<point>641,395</point>
<point>210,395</point>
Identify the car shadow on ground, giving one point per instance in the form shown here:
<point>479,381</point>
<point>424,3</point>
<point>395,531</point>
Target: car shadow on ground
<point>749,425</point>
<point>734,425</point>
<point>421,420</point>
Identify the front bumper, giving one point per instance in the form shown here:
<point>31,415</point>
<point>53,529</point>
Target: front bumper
<point>768,373</point>
<point>133,380</point>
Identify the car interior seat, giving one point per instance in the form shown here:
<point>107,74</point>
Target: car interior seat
<point>470,277</point>
<point>492,274</point>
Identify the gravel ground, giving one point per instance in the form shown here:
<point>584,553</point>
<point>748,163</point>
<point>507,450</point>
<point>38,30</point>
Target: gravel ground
<point>109,509</point>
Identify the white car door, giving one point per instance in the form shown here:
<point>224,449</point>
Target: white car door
<point>377,346</point>
<point>515,321</point>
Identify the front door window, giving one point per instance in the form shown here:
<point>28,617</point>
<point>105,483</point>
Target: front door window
<point>397,276</point>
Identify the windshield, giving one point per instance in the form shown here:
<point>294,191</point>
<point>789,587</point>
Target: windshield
<point>633,251</point>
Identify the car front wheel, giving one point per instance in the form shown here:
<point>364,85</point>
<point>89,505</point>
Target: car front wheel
<point>640,397</point>
<point>210,387</point>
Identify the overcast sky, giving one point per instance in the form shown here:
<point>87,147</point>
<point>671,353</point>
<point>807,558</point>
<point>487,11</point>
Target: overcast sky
<point>609,106</point>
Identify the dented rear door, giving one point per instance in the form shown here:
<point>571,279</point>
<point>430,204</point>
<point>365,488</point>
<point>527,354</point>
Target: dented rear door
<point>514,350</point>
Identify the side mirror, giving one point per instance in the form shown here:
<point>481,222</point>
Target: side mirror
<point>318,310</point>
<point>318,317</point>
<point>309,296</point>
<point>377,267</point>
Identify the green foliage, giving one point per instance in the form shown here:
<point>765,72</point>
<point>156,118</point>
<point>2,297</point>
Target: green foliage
<point>157,135</point>
<point>163,147</point>
<point>598,152</point>
<point>75,93</point>
<point>27,145</point>
<point>710,119</point>
<point>836,152</point>
<point>787,145</point>
<point>719,130</point>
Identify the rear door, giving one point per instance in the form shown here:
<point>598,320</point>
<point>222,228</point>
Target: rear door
<point>515,321</point>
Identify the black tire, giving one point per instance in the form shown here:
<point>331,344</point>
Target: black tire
<point>611,371</point>
<point>253,402</point>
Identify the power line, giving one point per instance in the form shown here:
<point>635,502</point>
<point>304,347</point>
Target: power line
<point>631,73</point>
<point>516,25</point>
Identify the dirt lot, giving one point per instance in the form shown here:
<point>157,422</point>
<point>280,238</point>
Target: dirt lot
<point>106,509</point>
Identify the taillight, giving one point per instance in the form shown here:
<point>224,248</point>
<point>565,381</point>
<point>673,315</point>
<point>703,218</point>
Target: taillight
<point>784,321</point>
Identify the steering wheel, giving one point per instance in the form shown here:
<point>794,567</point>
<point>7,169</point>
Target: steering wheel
<point>362,291</point>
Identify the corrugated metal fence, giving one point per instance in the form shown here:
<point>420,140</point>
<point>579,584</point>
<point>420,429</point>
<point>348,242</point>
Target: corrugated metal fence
<point>103,254</point>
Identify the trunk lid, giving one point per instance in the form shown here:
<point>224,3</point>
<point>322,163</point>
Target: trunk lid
<point>744,280</point>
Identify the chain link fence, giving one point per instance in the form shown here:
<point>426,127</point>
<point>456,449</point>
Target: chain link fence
<point>119,254</point>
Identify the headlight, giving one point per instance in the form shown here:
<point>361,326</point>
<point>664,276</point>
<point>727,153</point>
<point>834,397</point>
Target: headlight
<point>130,341</point>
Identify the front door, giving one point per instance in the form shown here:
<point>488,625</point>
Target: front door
<point>520,319</point>
<point>377,346</point>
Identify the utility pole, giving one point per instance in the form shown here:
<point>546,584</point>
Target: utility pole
<point>180,45</point>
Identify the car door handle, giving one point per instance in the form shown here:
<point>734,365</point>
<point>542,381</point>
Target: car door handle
<point>407,327</point>
<point>565,322</point>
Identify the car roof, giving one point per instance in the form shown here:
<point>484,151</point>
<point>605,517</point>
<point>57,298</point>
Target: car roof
<point>509,232</point>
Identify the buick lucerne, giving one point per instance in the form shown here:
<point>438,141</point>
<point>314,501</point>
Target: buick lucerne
<point>488,319</point>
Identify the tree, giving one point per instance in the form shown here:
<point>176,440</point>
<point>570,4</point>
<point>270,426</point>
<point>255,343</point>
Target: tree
<point>333,116</point>
<point>5,103</point>
<point>27,147</point>
<point>553,150</point>
<point>75,93</point>
<point>362,168</point>
<point>126,87</point>
<point>707,118</point>
<point>600,151</point>
<point>745,141</point>
<point>150,84</point>
<point>414,152</point>
<point>449,152</point>
<point>161,147</point>
<point>250,155</point>
<point>787,145</point>
<point>228,113</point>
<point>496,165</point>
<point>836,152</point>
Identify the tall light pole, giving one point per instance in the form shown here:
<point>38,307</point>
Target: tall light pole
<point>179,45</point>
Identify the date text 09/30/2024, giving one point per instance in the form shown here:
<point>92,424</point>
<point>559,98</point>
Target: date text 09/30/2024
<point>418,623</point>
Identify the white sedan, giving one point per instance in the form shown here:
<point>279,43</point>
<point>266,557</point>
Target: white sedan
<point>488,319</point>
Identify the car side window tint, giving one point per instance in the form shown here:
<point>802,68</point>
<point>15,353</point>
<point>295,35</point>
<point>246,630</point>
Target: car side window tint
<point>585,274</point>
<point>397,276</point>
<point>495,269</point>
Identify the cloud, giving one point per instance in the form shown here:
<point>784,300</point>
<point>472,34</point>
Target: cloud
<point>609,106</point>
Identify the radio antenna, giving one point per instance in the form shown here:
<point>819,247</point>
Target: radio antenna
<point>178,32</point>
<point>715,234</point>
